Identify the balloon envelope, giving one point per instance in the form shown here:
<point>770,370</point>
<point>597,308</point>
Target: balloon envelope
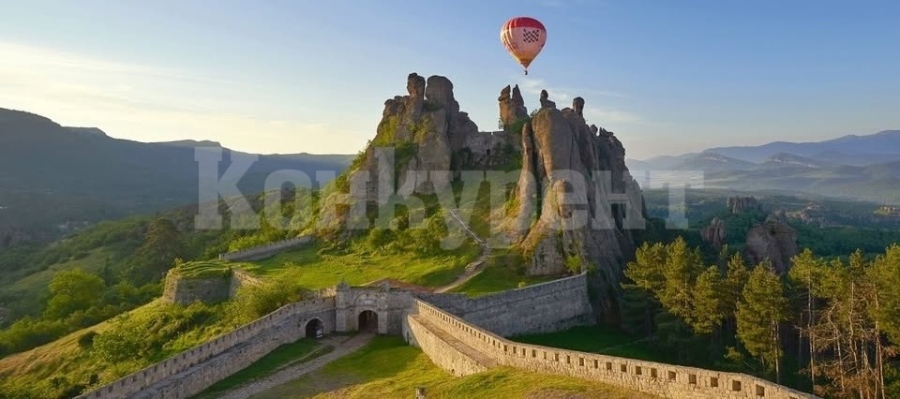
<point>524,38</point>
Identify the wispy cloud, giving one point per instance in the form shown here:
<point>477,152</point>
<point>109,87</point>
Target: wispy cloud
<point>534,87</point>
<point>610,115</point>
<point>562,95</point>
<point>149,103</point>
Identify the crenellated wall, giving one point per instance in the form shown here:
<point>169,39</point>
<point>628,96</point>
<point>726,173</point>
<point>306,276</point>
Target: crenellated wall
<point>660,379</point>
<point>244,346</point>
<point>459,334</point>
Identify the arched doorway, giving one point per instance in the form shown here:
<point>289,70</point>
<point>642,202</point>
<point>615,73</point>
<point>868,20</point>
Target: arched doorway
<point>315,329</point>
<point>368,321</point>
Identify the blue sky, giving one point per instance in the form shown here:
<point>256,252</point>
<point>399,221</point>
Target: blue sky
<point>283,76</point>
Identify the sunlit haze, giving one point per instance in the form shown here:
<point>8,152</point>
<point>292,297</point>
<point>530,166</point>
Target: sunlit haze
<point>300,76</point>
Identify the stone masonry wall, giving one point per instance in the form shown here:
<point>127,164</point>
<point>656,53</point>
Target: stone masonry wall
<point>265,251</point>
<point>660,379</point>
<point>245,345</point>
<point>440,351</point>
<point>196,379</point>
<point>188,290</point>
<point>547,307</point>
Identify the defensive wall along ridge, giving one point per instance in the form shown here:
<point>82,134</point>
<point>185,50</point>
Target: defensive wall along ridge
<point>459,334</point>
<point>461,347</point>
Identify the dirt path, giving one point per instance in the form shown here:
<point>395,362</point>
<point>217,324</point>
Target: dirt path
<point>474,268</point>
<point>343,346</point>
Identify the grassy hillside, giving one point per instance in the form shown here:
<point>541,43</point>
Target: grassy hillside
<point>389,368</point>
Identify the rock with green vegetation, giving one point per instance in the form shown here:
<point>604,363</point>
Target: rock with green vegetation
<point>570,211</point>
<point>575,198</point>
<point>422,142</point>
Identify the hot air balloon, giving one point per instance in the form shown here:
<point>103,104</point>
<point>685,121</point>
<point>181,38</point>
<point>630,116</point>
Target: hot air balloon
<point>524,38</point>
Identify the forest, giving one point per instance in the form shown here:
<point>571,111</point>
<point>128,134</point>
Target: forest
<point>828,326</point>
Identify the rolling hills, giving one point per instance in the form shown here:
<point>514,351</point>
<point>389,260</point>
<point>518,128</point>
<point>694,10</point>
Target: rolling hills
<point>52,176</point>
<point>862,168</point>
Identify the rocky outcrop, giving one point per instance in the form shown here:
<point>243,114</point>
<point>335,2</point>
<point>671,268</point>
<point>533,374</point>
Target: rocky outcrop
<point>574,201</point>
<point>411,153</point>
<point>578,106</point>
<point>714,233</point>
<point>545,100</point>
<point>512,106</point>
<point>737,204</point>
<point>774,241</point>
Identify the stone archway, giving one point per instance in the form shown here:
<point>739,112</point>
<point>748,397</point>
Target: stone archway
<point>368,321</point>
<point>315,329</point>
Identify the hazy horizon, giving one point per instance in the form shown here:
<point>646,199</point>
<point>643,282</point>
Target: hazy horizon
<point>292,77</point>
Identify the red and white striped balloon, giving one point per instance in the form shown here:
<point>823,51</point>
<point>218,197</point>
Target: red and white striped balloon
<point>524,38</point>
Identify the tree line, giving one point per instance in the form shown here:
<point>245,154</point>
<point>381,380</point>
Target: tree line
<point>828,325</point>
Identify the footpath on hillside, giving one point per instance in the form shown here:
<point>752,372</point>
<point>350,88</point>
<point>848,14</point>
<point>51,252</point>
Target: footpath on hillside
<point>474,268</point>
<point>342,346</point>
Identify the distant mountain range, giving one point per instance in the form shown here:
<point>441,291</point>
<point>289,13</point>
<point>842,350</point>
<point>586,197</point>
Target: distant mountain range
<point>855,167</point>
<point>52,174</point>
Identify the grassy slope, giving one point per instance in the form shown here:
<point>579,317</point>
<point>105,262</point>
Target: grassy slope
<point>499,274</point>
<point>319,271</point>
<point>65,357</point>
<point>389,368</point>
<point>38,282</point>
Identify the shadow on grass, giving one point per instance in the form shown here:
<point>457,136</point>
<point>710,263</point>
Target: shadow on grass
<point>603,340</point>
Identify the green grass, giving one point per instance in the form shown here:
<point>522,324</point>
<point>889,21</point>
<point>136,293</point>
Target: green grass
<point>320,270</point>
<point>389,368</point>
<point>204,269</point>
<point>594,339</point>
<point>36,372</point>
<point>38,282</point>
<point>502,272</point>
<point>301,351</point>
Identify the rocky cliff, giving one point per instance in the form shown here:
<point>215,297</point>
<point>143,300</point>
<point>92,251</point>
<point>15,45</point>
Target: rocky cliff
<point>714,233</point>
<point>575,200</point>
<point>573,204</point>
<point>738,204</point>
<point>774,241</point>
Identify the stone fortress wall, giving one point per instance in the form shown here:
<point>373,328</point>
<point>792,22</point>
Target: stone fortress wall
<point>471,349</point>
<point>217,289</point>
<point>189,372</point>
<point>459,334</point>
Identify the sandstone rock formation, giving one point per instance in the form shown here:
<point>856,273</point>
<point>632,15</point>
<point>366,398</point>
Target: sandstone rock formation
<point>512,106</point>
<point>714,233</point>
<point>412,150</point>
<point>737,204</point>
<point>774,241</point>
<point>575,199</point>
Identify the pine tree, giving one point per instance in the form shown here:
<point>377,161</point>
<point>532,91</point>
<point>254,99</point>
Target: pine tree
<point>759,313</point>
<point>806,273</point>
<point>707,301</point>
